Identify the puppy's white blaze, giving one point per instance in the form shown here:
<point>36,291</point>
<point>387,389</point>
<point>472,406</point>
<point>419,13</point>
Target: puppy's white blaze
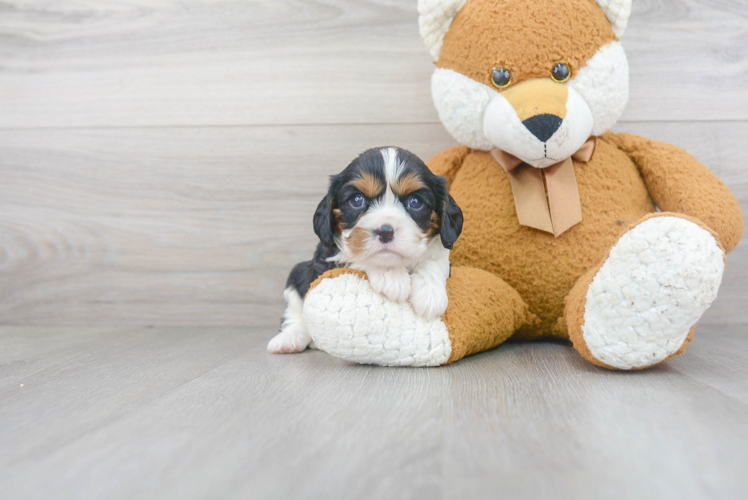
<point>392,170</point>
<point>293,335</point>
<point>392,166</point>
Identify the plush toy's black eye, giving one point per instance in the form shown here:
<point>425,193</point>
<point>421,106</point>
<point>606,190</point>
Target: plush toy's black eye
<point>415,203</point>
<point>357,201</point>
<point>561,73</point>
<point>501,78</point>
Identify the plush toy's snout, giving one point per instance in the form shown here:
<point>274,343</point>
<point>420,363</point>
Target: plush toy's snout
<point>540,105</point>
<point>538,97</point>
<point>539,121</point>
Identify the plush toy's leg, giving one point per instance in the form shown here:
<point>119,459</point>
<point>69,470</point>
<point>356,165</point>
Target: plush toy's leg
<point>347,319</point>
<point>640,306</point>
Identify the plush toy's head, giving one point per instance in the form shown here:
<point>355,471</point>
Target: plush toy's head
<point>534,78</point>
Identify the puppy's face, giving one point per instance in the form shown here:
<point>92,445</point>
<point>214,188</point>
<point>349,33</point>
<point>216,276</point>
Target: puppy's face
<point>385,208</point>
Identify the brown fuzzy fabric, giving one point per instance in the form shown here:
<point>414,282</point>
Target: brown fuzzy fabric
<point>614,195</point>
<point>334,273</point>
<point>448,162</point>
<point>483,311</point>
<point>573,319</point>
<point>570,31</point>
<point>677,182</point>
<point>540,267</point>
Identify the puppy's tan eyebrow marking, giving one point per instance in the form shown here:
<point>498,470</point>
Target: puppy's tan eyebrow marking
<point>407,184</point>
<point>369,185</point>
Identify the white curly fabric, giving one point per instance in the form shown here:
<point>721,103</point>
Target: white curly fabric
<point>617,12</point>
<point>348,320</point>
<point>461,102</point>
<point>657,282</point>
<point>435,18</point>
<point>604,85</point>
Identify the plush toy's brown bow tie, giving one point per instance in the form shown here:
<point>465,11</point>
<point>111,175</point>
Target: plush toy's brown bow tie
<point>529,186</point>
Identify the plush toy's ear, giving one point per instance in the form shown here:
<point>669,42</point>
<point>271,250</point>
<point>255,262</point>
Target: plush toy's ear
<point>323,219</point>
<point>435,18</point>
<point>617,12</point>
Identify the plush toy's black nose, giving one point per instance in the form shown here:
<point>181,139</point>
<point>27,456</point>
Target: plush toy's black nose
<point>386,233</point>
<point>543,126</point>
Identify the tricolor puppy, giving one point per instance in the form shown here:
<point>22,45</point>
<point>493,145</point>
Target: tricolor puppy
<point>386,214</point>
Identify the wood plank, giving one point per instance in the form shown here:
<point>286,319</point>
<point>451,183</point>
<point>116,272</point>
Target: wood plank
<point>178,412</point>
<point>123,368</point>
<point>180,226</point>
<point>202,225</point>
<point>543,423</point>
<point>180,62</point>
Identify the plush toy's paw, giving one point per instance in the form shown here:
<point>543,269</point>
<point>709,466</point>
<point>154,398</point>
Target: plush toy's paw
<point>428,298</point>
<point>394,284</point>
<point>659,279</point>
<point>349,320</point>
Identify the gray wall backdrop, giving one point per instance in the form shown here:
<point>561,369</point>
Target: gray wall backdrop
<point>160,160</point>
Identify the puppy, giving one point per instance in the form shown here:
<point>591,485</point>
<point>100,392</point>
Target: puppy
<point>386,214</point>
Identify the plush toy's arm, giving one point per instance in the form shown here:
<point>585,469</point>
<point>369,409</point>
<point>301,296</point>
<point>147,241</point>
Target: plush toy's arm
<point>677,182</point>
<point>448,162</point>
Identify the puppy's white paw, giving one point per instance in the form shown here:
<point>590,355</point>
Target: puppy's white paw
<point>428,298</point>
<point>287,342</point>
<point>394,283</point>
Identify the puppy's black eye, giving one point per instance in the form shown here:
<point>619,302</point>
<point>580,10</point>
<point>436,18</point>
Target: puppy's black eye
<point>414,202</point>
<point>357,201</point>
<point>561,73</point>
<point>501,78</point>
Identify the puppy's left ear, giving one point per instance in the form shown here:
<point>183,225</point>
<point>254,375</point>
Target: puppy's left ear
<point>323,218</point>
<point>451,216</point>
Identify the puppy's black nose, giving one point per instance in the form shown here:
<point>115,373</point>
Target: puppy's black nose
<point>543,126</point>
<point>386,233</point>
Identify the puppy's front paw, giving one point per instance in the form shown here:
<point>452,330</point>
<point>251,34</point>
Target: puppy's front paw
<point>392,283</point>
<point>428,298</point>
<point>287,342</point>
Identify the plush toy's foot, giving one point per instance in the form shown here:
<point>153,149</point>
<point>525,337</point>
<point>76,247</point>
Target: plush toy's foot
<point>347,319</point>
<point>640,306</point>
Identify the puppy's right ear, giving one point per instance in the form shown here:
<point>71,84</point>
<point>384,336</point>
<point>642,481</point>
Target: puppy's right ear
<point>323,219</point>
<point>451,214</point>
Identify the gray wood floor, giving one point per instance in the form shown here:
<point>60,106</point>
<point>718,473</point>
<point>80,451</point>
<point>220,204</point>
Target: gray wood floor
<point>205,412</point>
<point>160,160</point>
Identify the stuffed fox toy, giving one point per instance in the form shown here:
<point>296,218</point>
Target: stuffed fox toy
<point>562,234</point>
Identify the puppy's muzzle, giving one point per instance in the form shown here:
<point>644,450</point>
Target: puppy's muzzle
<point>386,233</point>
